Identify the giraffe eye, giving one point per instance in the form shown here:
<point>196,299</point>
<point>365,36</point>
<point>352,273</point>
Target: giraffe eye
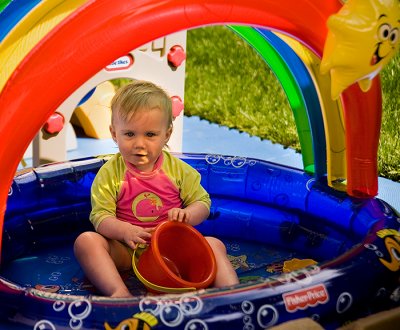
<point>394,36</point>
<point>384,32</point>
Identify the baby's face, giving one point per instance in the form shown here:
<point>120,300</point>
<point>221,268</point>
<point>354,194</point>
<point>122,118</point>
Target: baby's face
<point>142,137</point>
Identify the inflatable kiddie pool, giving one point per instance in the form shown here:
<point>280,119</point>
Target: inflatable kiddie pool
<point>300,247</point>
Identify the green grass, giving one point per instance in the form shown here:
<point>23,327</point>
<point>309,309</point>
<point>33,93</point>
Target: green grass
<point>389,143</point>
<point>228,83</point>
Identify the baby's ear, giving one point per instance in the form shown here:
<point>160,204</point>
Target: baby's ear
<point>169,132</point>
<point>113,134</point>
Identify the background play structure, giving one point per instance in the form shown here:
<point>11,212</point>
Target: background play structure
<point>338,135</point>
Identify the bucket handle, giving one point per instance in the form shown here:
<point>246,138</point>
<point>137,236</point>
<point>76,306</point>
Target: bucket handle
<point>155,286</point>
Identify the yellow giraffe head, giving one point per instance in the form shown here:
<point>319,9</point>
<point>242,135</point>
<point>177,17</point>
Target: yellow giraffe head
<point>363,37</point>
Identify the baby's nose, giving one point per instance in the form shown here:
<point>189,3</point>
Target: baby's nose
<point>139,142</point>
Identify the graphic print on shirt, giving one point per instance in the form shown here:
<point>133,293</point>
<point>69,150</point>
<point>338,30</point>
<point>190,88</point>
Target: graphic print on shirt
<point>147,206</point>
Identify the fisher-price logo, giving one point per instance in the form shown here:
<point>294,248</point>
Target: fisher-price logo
<point>122,63</point>
<point>305,298</point>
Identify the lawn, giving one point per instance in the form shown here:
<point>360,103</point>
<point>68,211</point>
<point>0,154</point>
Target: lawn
<point>228,83</point>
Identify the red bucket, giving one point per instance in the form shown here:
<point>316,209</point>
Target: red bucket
<point>178,259</point>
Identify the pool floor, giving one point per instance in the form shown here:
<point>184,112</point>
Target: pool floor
<point>56,269</point>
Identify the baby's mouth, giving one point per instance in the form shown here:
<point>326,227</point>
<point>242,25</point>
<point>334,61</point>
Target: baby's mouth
<point>139,155</point>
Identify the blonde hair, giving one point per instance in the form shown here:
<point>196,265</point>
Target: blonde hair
<point>140,94</point>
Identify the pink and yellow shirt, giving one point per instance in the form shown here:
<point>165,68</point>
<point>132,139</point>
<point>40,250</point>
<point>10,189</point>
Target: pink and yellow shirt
<point>144,198</point>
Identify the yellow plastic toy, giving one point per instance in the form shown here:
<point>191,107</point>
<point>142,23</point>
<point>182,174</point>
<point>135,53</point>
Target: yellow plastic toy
<point>363,36</point>
<point>295,264</point>
<point>94,116</point>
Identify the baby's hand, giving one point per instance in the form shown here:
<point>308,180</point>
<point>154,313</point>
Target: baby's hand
<point>137,235</point>
<point>180,215</point>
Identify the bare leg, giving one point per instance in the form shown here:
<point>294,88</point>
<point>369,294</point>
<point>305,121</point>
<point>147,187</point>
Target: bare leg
<point>101,260</point>
<point>226,275</point>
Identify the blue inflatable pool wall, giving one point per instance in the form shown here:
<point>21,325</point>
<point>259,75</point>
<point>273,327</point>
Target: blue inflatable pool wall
<point>354,242</point>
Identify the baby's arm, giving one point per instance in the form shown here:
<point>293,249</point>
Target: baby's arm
<point>123,231</point>
<point>193,214</point>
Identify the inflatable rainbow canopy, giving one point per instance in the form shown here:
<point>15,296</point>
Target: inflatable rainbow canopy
<point>60,45</point>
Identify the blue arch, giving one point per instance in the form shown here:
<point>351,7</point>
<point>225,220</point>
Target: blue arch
<point>310,97</point>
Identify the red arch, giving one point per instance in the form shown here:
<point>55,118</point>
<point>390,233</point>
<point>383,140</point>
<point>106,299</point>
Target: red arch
<point>102,30</point>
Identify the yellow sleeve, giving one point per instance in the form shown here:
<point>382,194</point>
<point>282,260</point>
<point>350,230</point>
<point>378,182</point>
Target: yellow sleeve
<point>105,190</point>
<point>187,179</point>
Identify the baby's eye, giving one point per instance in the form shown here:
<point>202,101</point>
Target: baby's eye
<point>150,134</point>
<point>129,134</point>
